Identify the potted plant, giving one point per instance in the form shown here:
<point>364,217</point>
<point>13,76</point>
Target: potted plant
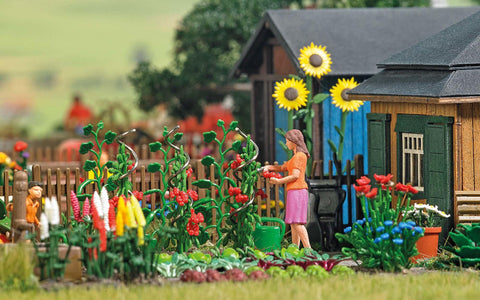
<point>429,217</point>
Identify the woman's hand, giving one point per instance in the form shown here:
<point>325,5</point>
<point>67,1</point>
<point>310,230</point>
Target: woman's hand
<point>274,180</point>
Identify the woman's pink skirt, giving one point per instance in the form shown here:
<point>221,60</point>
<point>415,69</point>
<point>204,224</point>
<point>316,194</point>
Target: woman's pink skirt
<point>297,205</point>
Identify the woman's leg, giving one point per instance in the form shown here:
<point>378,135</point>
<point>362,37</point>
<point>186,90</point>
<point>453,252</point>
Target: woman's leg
<point>302,235</point>
<point>295,236</point>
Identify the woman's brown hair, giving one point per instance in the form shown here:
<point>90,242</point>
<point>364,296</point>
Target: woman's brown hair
<point>296,136</point>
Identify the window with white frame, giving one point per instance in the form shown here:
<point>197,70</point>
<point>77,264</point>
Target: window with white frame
<point>412,160</point>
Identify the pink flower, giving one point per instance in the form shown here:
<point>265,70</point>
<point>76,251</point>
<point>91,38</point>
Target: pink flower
<point>75,207</point>
<point>86,208</point>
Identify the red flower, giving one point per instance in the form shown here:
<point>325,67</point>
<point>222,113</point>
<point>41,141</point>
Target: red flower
<point>234,191</point>
<point>193,229</point>
<point>138,195</point>
<point>182,198</point>
<point>112,220</point>
<point>261,193</point>
<point>399,187</point>
<point>372,194</point>
<point>411,189</point>
<point>362,188</point>
<point>234,165</point>
<point>175,191</point>
<point>100,226</point>
<point>81,179</point>
<point>364,180</point>
<point>20,146</point>
<point>241,198</point>
<point>239,159</point>
<point>193,194</point>
<point>192,225</point>
<point>383,179</point>
<point>189,172</point>
<point>114,201</point>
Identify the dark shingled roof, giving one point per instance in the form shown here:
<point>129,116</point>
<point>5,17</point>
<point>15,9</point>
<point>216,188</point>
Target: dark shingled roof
<point>445,65</point>
<point>357,39</point>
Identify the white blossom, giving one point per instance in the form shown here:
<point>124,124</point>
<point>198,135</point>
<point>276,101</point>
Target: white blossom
<point>105,207</point>
<point>98,204</point>
<point>43,226</point>
<point>54,219</point>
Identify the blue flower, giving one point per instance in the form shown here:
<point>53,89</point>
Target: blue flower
<point>388,223</point>
<point>369,219</point>
<point>402,225</point>
<point>385,236</point>
<point>380,229</point>
<point>347,230</point>
<point>418,229</point>
<point>377,240</point>
<point>360,222</point>
<point>396,229</point>
<point>398,241</point>
<point>411,223</point>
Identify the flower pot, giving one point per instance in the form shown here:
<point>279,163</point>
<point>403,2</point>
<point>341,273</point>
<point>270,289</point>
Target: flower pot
<point>427,245</point>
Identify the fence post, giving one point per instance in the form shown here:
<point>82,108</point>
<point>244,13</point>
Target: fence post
<point>19,212</point>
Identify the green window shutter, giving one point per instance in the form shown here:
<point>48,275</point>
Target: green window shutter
<point>378,129</point>
<point>439,167</point>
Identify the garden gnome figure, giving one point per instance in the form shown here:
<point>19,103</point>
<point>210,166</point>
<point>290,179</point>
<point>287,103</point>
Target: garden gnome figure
<point>25,205</point>
<point>297,187</point>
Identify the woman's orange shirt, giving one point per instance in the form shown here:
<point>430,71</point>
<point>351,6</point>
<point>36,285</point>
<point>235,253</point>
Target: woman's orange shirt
<point>298,161</point>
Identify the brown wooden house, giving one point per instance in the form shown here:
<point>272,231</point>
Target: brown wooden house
<point>424,125</point>
<point>356,39</point>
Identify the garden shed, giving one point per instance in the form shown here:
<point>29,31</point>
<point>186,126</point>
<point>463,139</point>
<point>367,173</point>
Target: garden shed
<point>356,39</point>
<point>425,117</point>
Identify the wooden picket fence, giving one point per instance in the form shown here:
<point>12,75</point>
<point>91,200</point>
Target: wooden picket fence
<point>61,180</point>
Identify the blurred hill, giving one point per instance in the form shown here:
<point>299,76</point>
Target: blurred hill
<point>53,49</point>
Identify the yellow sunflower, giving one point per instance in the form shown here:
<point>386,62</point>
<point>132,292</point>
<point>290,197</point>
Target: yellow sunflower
<point>315,60</point>
<point>291,94</point>
<point>339,95</point>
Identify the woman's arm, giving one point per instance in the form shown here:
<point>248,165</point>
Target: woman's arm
<point>275,168</point>
<point>287,179</point>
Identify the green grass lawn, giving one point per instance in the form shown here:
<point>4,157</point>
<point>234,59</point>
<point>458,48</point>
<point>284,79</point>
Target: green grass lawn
<point>434,285</point>
<point>51,49</point>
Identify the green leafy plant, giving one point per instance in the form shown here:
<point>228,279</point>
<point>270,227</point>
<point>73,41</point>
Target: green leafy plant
<point>240,215</point>
<point>467,244</point>
<point>95,166</point>
<point>178,203</point>
<point>51,265</point>
<point>379,240</point>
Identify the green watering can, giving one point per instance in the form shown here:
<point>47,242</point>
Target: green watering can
<point>269,238</point>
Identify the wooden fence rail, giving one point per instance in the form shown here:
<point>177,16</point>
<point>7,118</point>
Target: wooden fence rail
<point>60,181</point>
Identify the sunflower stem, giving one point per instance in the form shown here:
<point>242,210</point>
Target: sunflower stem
<point>308,124</point>
<point>290,120</point>
<point>342,129</point>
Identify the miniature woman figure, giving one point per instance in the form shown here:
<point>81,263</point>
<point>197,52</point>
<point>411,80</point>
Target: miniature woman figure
<point>297,188</point>
<point>32,202</point>
<point>35,190</point>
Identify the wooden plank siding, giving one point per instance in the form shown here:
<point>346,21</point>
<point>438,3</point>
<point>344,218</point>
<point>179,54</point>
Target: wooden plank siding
<point>466,141</point>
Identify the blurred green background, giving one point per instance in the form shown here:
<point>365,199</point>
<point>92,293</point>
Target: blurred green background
<point>51,49</point>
